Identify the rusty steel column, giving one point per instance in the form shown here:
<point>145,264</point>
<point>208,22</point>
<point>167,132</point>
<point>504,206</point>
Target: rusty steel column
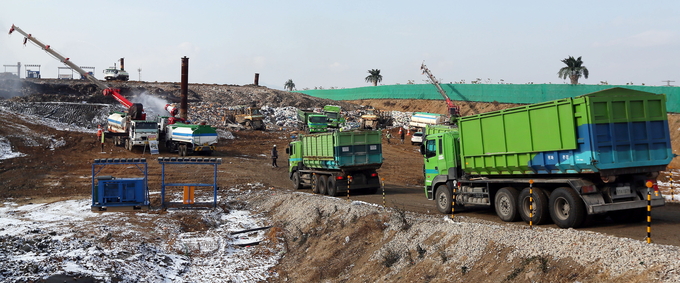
<point>184,86</point>
<point>122,64</point>
<point>257,79</point>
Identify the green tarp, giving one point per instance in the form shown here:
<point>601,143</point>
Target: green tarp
<point>503,93</point>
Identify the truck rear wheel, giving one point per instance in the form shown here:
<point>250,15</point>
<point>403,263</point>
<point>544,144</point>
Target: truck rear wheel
<point>567,209</point>
<point>315,183</point>
<point>296,180</point>
<point>323,182</point>
<point>506,204</point>
<point>540,214</point>
<point>443,199</point>
<point>332,187</point>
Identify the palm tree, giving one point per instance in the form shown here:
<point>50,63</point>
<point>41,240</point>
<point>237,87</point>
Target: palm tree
<point>290,85</point>
<point>375,77</point>
<point>574,70</point>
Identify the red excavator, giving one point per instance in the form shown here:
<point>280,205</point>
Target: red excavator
<point>135,110</point>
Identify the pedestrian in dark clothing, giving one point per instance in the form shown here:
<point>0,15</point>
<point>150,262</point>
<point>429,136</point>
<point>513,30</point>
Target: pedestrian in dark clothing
<point>275,155</point>
<point>401,135</point>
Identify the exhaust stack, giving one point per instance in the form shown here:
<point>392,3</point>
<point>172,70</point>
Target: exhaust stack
<point>184,85</point>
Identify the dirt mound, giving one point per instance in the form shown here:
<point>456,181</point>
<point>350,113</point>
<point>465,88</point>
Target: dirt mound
<point>50,90</point>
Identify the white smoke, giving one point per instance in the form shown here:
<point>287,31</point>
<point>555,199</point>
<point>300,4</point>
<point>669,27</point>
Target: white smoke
<point>153,106</point>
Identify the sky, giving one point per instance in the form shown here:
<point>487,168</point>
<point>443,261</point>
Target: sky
<point>333,44</point>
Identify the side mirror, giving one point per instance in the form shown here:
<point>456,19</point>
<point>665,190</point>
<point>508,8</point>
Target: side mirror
<point>287,151</point>
<point>422,148</point>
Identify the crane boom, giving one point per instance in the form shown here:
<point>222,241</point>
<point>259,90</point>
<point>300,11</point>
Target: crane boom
<point>453,109</point>
<point>106,90</point>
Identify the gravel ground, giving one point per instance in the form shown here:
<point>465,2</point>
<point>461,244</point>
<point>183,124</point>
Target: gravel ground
<point>465,240</point>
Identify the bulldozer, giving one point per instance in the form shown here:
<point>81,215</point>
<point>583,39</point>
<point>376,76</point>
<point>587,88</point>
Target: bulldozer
<point>249,118</point>
<point>375,119</point>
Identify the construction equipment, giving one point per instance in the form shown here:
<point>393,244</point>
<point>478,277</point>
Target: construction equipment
<point>453,110</point>
<point>374,119</point>
<point>312,122</point>
<point>333,113</point>
<point>186,139</point>
<point>248,117</point>
<point>337,161</point>
<point>129,128</point>
<point>114,74</point>
<point>595,154</point>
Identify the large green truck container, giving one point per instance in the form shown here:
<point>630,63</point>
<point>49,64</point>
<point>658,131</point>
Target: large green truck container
<point>328,162</point>
<point>587,155</point>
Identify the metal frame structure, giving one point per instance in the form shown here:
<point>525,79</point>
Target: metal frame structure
<point>188,161</point>
<point>28,71</point>
<point>121,161</point>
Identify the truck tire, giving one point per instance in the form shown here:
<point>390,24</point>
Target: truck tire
<point>567,209</point>
<point>540,206</point>
<point>315,183</point>
<point>323,182</point>
<point>296,180</point>
<point>332,187</point>
<point>443,198</point>
<point>506,204</point>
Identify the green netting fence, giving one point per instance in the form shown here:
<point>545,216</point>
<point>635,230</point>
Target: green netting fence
<point>503,93</point>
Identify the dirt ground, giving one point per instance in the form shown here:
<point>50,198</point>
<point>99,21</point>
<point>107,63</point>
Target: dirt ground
<point>48,174</point>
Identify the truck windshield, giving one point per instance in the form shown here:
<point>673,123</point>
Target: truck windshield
<point>255,112</point>
<point>332,115</point>
<point>147,126</point>
<point>317,119</point>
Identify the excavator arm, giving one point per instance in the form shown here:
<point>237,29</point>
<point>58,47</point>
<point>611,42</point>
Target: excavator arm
<point>453,109</point>
<point>106,90</point>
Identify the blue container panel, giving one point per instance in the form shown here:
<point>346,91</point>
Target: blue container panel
<point>633,144</point>
<point>358,155</point>
<point>121,192</point>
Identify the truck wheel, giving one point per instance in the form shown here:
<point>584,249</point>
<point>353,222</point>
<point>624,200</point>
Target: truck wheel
<point>506,204</point>
<point>566,208</point>
<point>539,206</point>
<point>296,180</point>
<point>315,183</point>
<point>331,187</point>
<point>443,199</point>
<point>322,185</point>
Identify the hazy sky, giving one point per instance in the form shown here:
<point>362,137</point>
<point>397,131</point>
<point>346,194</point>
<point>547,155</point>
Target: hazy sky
<point>335,43</point>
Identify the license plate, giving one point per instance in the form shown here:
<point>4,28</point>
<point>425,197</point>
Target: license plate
<point>622,191</point>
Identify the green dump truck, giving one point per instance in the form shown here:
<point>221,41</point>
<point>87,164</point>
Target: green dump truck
<point>333,113</point>
<point>598,153</point>
<point>312,122</point>
<point>329,162</point>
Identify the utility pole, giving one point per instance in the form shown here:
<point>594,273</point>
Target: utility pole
<point>139,70</point>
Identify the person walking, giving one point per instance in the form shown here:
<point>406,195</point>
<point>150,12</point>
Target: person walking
<point>401,134</point>
<point>388,136</point>
<point>275,155</point>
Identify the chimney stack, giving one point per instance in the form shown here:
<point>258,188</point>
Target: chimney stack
<point>184,86</point>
